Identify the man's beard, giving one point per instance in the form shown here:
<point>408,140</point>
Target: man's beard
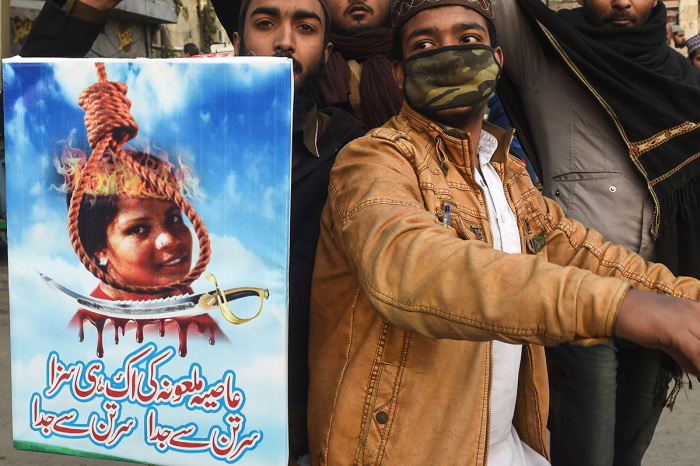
<point>608,20</point>
<point>352,30</point>
<point>305,91</point>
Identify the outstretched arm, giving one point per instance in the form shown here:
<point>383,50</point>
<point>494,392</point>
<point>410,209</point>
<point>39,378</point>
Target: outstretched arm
<point>664,322</point>
<point>67,29</point>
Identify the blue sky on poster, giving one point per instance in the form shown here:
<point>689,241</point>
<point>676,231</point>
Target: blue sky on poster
<point>228,119</point>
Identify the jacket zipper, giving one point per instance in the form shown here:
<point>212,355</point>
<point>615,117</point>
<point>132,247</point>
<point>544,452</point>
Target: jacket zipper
<point>441,155</point>
<point>523,409</point>
<point>511,206</point>
<point>477,231</point>
<point>475,228</point>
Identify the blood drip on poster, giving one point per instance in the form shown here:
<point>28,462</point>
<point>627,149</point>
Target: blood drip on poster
<point>202,323</point>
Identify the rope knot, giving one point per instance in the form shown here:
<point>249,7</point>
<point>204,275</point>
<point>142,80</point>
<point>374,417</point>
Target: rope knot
<point>108,113</point>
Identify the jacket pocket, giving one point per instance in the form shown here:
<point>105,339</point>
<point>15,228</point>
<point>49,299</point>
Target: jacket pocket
<point>468,229</point>
<point>382,414</point>
<point>606,201</point>
<point>380,408</point>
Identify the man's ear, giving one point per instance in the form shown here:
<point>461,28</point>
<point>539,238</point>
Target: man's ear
<point>237,43</point>
<point>327,51</point>
<point>498,55</point>
<point>397,70</point>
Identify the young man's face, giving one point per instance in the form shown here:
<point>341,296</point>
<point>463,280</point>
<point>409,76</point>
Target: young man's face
<point>441,27</point>
<point>286,28</point>
<point>617,13</point>
<point>350,16</point>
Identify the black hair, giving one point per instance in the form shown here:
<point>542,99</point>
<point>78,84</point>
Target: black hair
<point>190,49</point>
<point>397,51</point>
<point>96,213</point>
<point>241,20</point>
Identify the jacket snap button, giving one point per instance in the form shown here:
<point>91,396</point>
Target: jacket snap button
<point>612,189</point>
<point>382,417</point>
<point>557,193</point>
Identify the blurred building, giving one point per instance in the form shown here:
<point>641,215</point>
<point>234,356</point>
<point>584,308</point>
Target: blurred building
<point>196,23</point>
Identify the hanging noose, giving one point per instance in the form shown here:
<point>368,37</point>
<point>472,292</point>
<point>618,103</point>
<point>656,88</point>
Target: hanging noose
<point>109,126</point>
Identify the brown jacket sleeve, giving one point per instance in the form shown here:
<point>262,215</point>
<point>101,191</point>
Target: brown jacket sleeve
<point>423,278</point>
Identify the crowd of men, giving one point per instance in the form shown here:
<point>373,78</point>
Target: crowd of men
<point>450,271</point>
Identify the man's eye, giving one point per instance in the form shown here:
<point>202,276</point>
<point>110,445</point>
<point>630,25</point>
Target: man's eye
<point>469,39</point>
<point>263,24</point>
<point>307,27</point>
<point>423,45</point>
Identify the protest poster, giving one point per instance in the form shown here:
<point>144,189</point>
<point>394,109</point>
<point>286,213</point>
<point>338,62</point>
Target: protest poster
<point>148,235</point>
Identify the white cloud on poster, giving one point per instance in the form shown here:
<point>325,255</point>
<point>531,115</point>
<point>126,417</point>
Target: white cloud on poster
<point>45,162</point>
<point>16,130</point>
<point>272,198</point>
<point>40,210</point>
<point>266,370</point>
<point>234,263</point>
<point>275,200</point>
<point>30,376</point>
<point>8,75</point>
<point>73,77</point>
<point>158,91</point>
<point>47,238</point>
<point>250,192</point>
<point>252,171</point>
<point>37,189</point>
<point>232,194</point>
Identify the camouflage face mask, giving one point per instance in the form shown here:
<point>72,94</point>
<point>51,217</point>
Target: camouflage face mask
<point>450,77</point>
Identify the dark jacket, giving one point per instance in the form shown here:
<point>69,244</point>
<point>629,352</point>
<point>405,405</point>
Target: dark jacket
<point>309,192</point>
<point>55,33</point>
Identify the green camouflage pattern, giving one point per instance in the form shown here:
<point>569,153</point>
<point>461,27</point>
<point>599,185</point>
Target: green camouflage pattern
<point>450,77</point>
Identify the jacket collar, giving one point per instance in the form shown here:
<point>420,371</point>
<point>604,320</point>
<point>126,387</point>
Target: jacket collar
<point>459,139</point>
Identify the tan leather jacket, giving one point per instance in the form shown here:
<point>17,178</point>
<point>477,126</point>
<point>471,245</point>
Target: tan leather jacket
<point>404,309</point>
